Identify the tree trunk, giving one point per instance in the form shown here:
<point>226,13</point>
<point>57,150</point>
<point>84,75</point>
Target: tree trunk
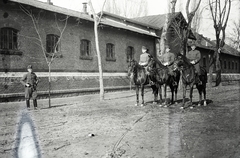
<point>49,85</point>
<point>99,62</point>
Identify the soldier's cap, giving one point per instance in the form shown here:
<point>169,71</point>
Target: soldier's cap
<point>143,47</point>
<point>167,47</point>
<point>193,44</point>
<point>29,67</point>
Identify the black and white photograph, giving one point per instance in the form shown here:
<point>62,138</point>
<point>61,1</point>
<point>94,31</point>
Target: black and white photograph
<point>120,78</point>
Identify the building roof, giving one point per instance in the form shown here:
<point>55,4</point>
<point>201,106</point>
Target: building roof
<point>204,42</point>
<point>53,8</point>
<point>129,20</point>
<point>155,20</point>
<point>57,9</point>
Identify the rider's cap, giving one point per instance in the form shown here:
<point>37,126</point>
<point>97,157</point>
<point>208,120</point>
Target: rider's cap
<point>193,44</point>
<point>143,47</point>
<point>167,47</point>
<point>29,67</point>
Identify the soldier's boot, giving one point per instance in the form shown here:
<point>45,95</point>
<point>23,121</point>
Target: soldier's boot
<point>35,104</point>
<point>28,104</point>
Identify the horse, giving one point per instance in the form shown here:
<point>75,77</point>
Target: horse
<point>189,79</point>
<point>139,77</point>
<point>160,76</point>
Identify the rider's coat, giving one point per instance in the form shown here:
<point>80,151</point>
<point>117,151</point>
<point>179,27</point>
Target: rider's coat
<point>194,55</point>
<point>144,59</point>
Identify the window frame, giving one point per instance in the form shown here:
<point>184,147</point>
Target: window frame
<point>85,44</point>
<point>132,53</point>
<point>110,52</point>
<point>9,41</point>
<point>50,43</point>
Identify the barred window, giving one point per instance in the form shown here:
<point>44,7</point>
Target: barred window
<point>8,38</point>
<point>85,48</point>
<point>130,53</point>
<point>229,65</point>
<point>110,50</point>
<point>232,65</point>
<point>52,43</point>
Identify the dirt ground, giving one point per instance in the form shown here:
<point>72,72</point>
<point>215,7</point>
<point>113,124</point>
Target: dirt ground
<point>83,127</point>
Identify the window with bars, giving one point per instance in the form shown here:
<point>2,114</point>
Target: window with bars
<point>225,64</point>
<point>52,43</point>
<point>130,53</point>
<point>8,38</point>
<point>85,49</point>
<point>110,52</point>
<point>229,65</point>
<point>232,65</point>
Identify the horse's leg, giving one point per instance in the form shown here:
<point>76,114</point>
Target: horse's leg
<point>200,88</point>
<point>165,95</point>
<point>155,92</point>
<point>160,94</point>
<point>176,89</point>
<point>184,95</point>
<point>137,94</point>
<point>204,93</point>
<point>142,93</point>
<point>172,91</point>
<point>191,95</point>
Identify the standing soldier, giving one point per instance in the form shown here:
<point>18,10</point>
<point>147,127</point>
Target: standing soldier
<point>194,57</point>
<point>168,59</point>
<point>30,82</point>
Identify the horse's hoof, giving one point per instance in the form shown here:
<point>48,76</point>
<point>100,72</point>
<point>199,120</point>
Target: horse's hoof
<point>165,105</point>
<point>154,102</point>
<point>136,104</point>
<point>205,103</point>
<point>191,107</point>
<point>142,105</point>
<point>160,105</point>
<point>176,103</point>
<point>199,104</point>
<point>181,107</point>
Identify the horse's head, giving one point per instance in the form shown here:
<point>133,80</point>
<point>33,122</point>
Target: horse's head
<point>151,64</point>
<point>131,66</point>
<point>181,62</point>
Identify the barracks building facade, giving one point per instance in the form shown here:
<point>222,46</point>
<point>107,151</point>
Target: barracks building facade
<point>75,67</point>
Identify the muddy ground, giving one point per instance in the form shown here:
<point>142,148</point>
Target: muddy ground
<point>83,127</point>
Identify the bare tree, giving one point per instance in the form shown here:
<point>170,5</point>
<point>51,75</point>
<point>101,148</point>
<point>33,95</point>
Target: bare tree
<point>234,35</point>
<point>49,57</point>
<point>97,20</point>
<point>163,39</point>
<point>182,28</point>
<point>220,13</point>
<point>127,8</point>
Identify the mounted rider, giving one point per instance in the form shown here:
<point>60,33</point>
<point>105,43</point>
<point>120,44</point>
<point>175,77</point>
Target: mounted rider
<point>145,57</point>
<point>194,56</point>
<point>167,60</point>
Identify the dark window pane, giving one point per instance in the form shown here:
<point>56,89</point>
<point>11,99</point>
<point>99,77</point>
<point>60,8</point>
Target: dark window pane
<point>51,43</point>
<point>8,38</point>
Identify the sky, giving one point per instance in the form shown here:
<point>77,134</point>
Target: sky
<point>160,7</point>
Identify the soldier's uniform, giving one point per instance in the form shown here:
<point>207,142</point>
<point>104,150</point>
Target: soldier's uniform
<point>30,82</point>
<point>144,59</point>
<point>195,56</point>
<point>168,59</point>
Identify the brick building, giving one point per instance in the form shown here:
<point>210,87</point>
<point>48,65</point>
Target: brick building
<point>75,67</point>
